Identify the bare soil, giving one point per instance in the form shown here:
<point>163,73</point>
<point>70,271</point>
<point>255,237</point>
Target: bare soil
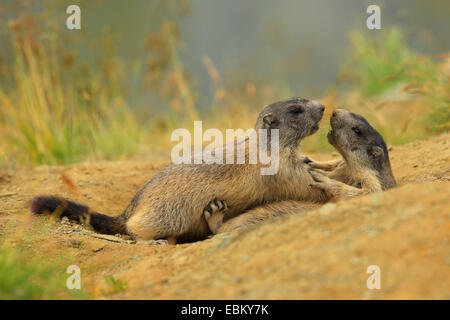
<point>322,254</point>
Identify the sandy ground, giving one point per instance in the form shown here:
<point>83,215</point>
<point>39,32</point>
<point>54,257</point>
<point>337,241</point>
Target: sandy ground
<point>322,254</point>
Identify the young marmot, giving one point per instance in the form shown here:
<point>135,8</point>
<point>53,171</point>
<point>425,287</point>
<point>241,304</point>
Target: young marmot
<point>171,204</point>
<point>365,169</point>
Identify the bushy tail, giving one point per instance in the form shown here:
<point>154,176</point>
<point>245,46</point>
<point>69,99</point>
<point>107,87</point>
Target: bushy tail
<point>79,213</point>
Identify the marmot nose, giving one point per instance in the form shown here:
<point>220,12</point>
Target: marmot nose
<point>318,105</point>
<point>337,112</point>
<point>322,108</point>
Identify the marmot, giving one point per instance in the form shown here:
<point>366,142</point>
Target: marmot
<point>171,204</point>
<point>365,169</point>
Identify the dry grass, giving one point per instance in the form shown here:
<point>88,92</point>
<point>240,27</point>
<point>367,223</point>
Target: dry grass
<point>55,111</point>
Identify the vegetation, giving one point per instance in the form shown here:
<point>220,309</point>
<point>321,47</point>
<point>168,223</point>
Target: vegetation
<point>55,110</point>
<point>22,275</point>
<point>114,286</point>
<point>386,64</point>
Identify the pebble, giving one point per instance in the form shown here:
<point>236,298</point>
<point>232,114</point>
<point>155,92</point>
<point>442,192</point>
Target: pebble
<point>151,242</point>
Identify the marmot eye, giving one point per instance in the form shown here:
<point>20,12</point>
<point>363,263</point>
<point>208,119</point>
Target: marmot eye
<point>296,110</point>
<point>357,131</point>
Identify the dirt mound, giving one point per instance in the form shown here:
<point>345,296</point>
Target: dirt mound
<point>322,254</point>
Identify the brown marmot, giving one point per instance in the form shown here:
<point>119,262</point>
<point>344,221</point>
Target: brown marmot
<point>171,204</point>
<point>366,168</point>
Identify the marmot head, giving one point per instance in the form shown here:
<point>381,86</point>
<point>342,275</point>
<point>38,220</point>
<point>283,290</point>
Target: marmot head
<point>359,143</point>
<point>295,118</point>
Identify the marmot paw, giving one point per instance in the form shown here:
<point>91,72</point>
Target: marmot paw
<point>214,213</point>
<point>320,180</point>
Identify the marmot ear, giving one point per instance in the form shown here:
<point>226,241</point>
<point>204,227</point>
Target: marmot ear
<point>269,121</point>
<point>376,151</point>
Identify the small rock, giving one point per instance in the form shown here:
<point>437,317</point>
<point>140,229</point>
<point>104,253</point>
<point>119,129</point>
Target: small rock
<point>160,242</point>
<point>152,242</point>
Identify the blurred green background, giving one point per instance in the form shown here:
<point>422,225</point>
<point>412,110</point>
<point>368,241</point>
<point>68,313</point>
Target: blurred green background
<point>139,69</point>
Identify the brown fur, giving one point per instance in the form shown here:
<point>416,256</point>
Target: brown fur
<point>172,203</point>
<point>265,212</point>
